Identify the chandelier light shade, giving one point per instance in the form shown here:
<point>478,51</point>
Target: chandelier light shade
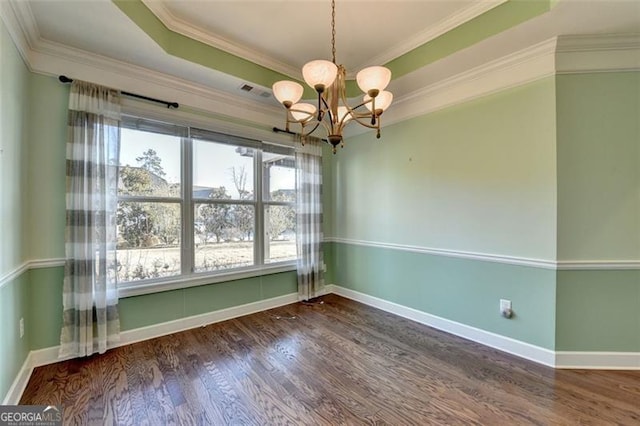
<point>373,79</point>
<point>287,92</point>
<point>303,112</point>
<point>383,100</point>
<point>333,111</point>
<point>319,74</point>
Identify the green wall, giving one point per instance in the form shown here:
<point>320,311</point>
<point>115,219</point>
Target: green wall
<point>599,166</point>
<point>549,170</point>
<point>46,167</point>
<point>14,85</point>
<point>47,171</point>
<point>32,225</point>
<point>598,210</point>
<point>14,91</point>
<point>45,311</point>
<point>478,177</point>
<point>14,304</point>
<point>461,290</point>
<point>598,311</point>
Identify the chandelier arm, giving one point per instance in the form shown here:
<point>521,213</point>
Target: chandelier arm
<point>365,124</point>
<point>320,99</point>
<point>317,123</point>
<point>325,125</point>
<point>328,110</point>
<point>359,105</point>
<point>326,105</point>
<point>292,119</point>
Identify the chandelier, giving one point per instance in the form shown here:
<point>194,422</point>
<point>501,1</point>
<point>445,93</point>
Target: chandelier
<point>333,111</point>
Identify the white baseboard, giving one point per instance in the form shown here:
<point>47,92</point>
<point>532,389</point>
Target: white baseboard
<point>506,344</point>
<point>556,359</point>
<point>19,384</point>
<point>598,360</point>
<point>563,359</point>
<point>170,327</point>
<point>49,355</point>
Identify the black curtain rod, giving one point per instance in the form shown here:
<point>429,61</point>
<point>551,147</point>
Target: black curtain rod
<point>65,79</point>
<point>278,130</point>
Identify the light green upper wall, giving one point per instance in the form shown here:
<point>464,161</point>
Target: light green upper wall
<point>328,160</point>
<point>14,90</point>
<point>478,177</point>
<point>14,99</point>
<point>598,166</point>
<point>46,167</point>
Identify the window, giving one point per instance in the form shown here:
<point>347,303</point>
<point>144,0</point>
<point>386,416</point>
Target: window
<point>193,204</point>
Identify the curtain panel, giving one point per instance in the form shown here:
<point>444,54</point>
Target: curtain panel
<point>310,265</point>
<point>90,315</point>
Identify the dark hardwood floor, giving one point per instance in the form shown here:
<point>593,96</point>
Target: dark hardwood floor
<point>340,362</point>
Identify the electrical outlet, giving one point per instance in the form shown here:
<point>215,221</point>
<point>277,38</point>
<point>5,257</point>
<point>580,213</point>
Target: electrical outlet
<point>505,308</point>
<point>504,305</point>
<point>21,328</point>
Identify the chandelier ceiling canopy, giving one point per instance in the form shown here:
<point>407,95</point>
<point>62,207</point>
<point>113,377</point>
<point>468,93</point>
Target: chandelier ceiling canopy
<point>332,111</point>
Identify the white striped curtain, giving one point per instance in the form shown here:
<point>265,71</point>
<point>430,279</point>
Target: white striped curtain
<point>90,314</point>
<point>309,218</point>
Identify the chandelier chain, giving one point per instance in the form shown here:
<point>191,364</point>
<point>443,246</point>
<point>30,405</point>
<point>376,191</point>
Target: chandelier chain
<point>333,30</point>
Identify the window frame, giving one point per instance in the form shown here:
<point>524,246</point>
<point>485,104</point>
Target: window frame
<point>188,277</point>
<point>266,203</point>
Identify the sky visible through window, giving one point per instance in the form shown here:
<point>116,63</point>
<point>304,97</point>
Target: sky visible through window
<point>135,143</point>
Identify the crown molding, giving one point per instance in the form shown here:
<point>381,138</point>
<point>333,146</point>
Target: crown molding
<point>558,55</point>
<point>178,25</point>
<point>55,59</point>
<point>447,24</point>
<point>598,53</point>
<point>598,42</point>
<point>21,26</point>
<point>516,69</point>
<point>51,58</point>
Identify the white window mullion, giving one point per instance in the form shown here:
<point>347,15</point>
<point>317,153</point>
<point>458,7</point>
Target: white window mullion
<point>187,207</point>
<point>259,238</point>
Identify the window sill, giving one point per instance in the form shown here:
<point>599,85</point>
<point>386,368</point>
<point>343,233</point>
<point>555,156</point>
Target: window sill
<point>138,289</point>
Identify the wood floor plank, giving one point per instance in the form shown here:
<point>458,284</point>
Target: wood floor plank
<point>332,363</point>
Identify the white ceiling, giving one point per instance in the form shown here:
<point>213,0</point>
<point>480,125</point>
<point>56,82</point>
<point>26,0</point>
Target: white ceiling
<point>283,35</point>
<point>295,32</point>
